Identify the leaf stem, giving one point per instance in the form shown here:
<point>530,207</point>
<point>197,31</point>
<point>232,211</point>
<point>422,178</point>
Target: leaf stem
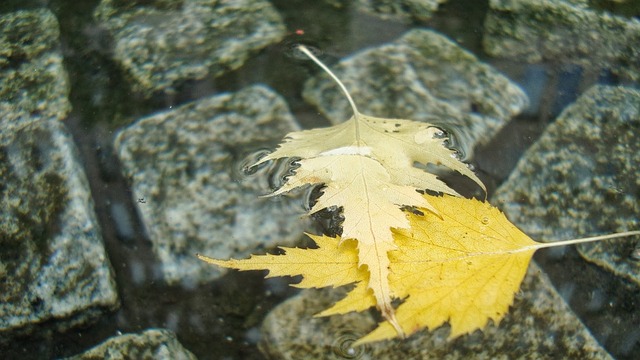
<point>335,78</point>
<point>584,240</point>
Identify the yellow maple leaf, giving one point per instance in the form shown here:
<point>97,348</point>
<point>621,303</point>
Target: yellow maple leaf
<point>462,267</point>
<point>367,167</point>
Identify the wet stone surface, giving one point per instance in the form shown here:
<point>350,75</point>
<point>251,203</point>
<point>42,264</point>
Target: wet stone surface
<point>54,271</point>
<point>185,168</point>
<point>163,43</point>
<point>407,10</point>
<point>539,326</point>
<point>157,344</point>
<point>53,264</point>
<point>580,178</point>
<point>32,78</point>
<point>563,31</point>
<point>422,76</point>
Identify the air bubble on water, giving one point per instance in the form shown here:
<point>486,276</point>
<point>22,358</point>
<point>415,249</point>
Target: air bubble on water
<point>343,346</point>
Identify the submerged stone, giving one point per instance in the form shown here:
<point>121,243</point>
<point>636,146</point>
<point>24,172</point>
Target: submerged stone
<point>53,263</point>
<point>32,77</point>
<point>563,31</point>
<point>408,10</point>
<point>186,170</point>
<point>581,178</point>
<point>539,325</point>
<point>162,43</point>
<point>157,344</point>
<point>422,76</point>
<point>54,272</point>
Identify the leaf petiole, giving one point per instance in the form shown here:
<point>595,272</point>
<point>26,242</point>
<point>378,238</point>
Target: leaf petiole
<point>342,87</point>
<point>584,240</point>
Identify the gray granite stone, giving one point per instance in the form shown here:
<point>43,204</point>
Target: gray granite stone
<point>32,77</point>
<point>53,265</point>
<point>161,43</point>
<point>581,178</point>
<point>185,167</point>
<point>539,326</point>
<point>407,10</point>
<point>563,31</point>
<point>54,270</point>
<point>422,76</point>
<point>156,344</point>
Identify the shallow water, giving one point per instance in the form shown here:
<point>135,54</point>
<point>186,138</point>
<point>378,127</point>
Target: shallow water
<point>221,319</point>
